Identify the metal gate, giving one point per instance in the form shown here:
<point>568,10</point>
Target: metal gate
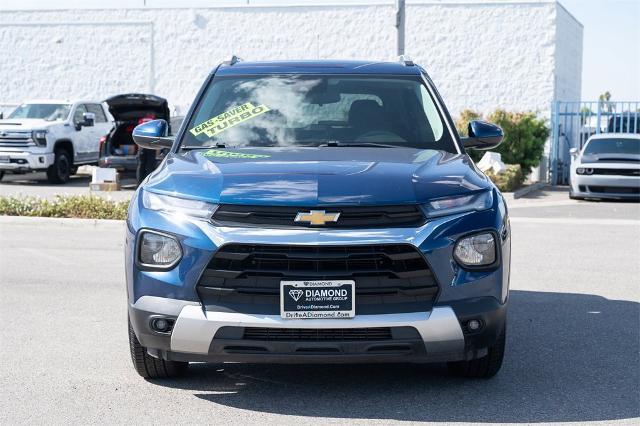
<point>572,123</point>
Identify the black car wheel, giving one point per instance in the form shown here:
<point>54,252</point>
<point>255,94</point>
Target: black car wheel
<point>485,367</point>
<point>60,170</point>
<point>1,175</point>
<point>150,367</point>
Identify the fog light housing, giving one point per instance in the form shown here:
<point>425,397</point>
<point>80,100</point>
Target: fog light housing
<point>158,251</point>
<point>476,250</point>
<point>162,325</point>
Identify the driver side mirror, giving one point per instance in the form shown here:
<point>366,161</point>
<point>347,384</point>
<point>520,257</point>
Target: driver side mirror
<point>153,134</point>
<point>483,135</point>
<point>573,152</point>
<point>88,120</point>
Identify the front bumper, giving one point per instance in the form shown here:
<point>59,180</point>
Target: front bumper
<point>441,334</point>
<point>605,186</point>
<point>23,161</point>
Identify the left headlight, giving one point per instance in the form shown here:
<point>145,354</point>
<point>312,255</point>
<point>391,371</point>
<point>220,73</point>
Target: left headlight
<point>459,204</point>
<point>158,250</point>
<point>177,205</point>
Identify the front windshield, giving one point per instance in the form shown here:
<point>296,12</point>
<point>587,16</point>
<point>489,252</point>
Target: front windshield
<point>277,111</point>
<point>612,146</point>
<point>49,112</point>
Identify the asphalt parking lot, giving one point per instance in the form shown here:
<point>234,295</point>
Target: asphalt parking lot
<point>572,350</point>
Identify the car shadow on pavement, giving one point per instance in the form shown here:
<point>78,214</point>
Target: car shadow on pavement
<point>570,357</point>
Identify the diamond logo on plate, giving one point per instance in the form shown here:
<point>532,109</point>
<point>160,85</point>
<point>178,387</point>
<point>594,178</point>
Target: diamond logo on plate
<point>295,293</point>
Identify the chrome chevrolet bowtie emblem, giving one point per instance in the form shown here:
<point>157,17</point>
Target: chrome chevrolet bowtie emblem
<point>317,217</point>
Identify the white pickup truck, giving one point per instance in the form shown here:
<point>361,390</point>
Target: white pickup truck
<point>52,136</point>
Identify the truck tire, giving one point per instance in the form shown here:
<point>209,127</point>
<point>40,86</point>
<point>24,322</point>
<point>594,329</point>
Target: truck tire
<point>485,367</point>
<point>60,170</point>
<point>150,367</point>
<point>1,175</point>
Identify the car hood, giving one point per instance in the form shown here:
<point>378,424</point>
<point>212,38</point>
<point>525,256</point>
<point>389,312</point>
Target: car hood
<point>316,176</point>
<point>24,124</point>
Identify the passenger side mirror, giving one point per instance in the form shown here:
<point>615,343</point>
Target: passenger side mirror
<point>483,135</point>
<point>88,120</point>
<point>153,135</point>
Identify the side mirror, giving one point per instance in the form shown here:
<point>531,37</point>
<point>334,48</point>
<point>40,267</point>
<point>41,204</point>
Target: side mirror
<point>483,135</point>
<point>153,135</point>
<point>88,120</point>
<point>573,152</point>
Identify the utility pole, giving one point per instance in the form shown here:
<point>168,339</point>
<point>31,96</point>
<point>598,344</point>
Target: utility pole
<point>400,18</point>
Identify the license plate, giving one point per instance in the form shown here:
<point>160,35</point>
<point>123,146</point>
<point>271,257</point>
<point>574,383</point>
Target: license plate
<point>4,159</point>
<point>317,299</point>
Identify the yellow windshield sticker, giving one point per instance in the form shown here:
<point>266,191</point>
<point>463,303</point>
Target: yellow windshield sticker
<point>218,153</point>
<point>228,119</point>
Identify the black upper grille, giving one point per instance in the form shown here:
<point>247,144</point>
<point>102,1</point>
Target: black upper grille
<point>350,217</point>
<point>388,278</point>
<point>617,172</point>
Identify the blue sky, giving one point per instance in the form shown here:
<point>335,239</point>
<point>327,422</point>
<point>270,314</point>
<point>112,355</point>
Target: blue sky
<point>611,49</point>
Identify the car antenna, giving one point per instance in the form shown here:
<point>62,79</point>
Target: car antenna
<point>406,60</point>
<point>234,60</point>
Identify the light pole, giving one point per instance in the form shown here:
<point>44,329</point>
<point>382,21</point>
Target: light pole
<point>400,18</point>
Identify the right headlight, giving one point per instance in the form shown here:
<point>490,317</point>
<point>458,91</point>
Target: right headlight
<point>476,250</point>
<point>177,205</point>
<point>39,137</point>
<point>158,250</point>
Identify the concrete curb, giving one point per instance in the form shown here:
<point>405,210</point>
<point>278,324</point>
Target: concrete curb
<point>529,189</point>
<point>60,221</point>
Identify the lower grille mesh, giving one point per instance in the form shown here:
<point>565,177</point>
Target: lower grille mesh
<point>317,334</point>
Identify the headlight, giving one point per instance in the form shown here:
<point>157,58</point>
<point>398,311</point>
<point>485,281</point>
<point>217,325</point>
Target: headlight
<point>169,204</point>
<point>583,171</point>
<point>158,250</point>
<point>39,137</point>
<point>476,250</point>
<point>464,203</point>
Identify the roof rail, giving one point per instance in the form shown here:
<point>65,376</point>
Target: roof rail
<point>406,60</point>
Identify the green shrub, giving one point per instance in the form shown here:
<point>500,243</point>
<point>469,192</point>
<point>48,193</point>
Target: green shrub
<point>80,206</point>
<point>524,136</point>
<point>509,180</point>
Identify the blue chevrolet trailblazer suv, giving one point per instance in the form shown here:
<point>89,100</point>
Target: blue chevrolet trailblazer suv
<point>317,212</point>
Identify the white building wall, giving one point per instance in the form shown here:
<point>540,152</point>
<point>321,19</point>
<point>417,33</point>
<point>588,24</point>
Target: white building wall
<point>481,54</point>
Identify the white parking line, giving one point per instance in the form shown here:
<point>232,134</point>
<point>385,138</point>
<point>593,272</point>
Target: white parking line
<point>575,221</point>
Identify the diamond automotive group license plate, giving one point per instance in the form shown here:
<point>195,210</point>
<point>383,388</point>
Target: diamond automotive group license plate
<point>317,299</point>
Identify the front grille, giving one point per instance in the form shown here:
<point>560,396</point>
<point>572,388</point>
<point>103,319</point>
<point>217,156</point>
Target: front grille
<point>614,189</point>
<point>617,172</point>
<point>350,217</point>
<point>316,334</point>
<point>388,278</point>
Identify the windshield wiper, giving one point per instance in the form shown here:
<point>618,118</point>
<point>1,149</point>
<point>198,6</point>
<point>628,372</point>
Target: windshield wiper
<point>360,144</point>
<point>217,145</point>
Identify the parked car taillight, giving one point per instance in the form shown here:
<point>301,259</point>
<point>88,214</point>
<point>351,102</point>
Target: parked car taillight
<point>103,140</point>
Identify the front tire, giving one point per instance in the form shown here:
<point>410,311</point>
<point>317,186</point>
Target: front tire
<point>485,367</point>
<point>1,175</point>
<point>60,170</point>
<point>150,367</point>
